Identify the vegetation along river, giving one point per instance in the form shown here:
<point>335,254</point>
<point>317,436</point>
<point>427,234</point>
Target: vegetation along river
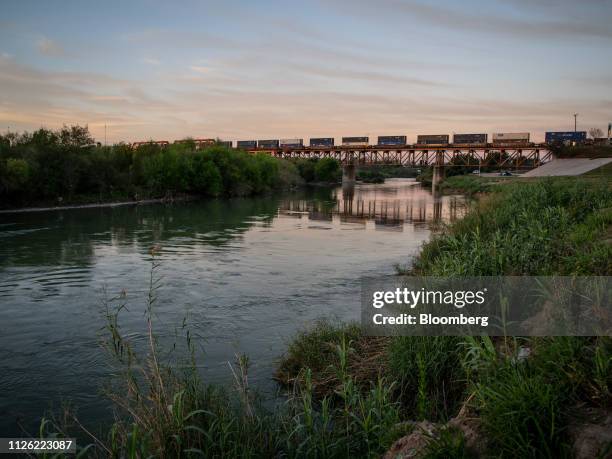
<point>246,274</point>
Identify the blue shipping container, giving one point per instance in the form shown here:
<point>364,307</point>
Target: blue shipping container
<point>246,144</point>
<point>565,136</point>
<point>440,139</point>
<point>469,139</point>
<point>392,140</point>
<point>322,142</point>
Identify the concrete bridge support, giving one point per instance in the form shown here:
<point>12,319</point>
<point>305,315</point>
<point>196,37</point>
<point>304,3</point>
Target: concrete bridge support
<point>438,176</point>
<point>349,172</point>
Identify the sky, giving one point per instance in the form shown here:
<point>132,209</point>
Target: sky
<point>241,70</point>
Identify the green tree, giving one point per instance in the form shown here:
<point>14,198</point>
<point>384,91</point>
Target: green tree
<point>14,175</point>
<point>206,178</point>
<point>327,170</point>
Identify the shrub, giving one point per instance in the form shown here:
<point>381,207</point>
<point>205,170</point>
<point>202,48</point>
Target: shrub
<point>327,170</point>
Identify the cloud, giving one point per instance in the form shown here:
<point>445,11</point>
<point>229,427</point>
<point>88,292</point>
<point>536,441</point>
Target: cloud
<point>594,23</point>
<point>200,69</point>
<point>151,61</point>
<point>50,48</point>
<point>170,38</point>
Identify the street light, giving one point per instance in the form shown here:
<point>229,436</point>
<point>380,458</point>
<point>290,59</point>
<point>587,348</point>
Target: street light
<point>575,122</point>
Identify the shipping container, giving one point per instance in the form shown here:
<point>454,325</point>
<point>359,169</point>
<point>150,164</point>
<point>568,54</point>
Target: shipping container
<point>246,144</point>
<point>565,136</point>
<point>392,140</point>
<point>438,139</point>
<point>355,141</point>
<point>267,144</point>
<point>292,143</point>
<point>469,139</point>
<point>322,142</point>
<point>225,143</point>
<point>511,138</point>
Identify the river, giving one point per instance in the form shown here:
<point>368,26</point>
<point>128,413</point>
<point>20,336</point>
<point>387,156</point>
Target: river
<point>243,274</point>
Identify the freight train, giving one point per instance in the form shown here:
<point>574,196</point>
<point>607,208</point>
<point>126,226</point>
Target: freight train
<point>501,139</point>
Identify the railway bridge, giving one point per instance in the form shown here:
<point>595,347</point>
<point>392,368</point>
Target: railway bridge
<point>439,157</point>
<point>505,157</point>
<point>515,156</point>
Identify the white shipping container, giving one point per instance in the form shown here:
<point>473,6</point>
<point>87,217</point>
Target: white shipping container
<point>511,136</point>
<point>291,142</point>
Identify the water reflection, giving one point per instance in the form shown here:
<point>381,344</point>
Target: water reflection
<point>390,206</point>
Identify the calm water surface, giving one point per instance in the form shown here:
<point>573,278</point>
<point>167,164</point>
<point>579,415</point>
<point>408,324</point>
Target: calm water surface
<point>246,273</point>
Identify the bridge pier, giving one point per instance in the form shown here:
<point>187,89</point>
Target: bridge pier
<point>438,176</point>
<point>349,172</point>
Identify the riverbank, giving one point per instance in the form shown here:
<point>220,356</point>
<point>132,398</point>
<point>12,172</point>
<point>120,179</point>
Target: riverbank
<point>353,396</point>
<point>468,393</point>
<point>98,204</point>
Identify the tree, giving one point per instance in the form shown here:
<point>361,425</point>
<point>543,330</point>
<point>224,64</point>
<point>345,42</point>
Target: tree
<point>327,170</point>
<point>76,136</point>
<point>595,133</point>
<point>14,175</point>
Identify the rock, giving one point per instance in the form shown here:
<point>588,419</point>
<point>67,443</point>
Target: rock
<point>591,438</point>
<point>471,429</point>
<point>412,444</point>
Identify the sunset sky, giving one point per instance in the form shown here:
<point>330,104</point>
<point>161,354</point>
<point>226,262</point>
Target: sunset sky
<point>270,69</point>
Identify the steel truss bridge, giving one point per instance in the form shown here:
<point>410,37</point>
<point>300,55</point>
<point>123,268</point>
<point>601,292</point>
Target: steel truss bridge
<point>500,156</point>
<point>493,156</point>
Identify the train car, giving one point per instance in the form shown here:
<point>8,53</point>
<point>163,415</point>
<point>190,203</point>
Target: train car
<point>225,143</point>
<point>160,143</point>
<point>392,140</point>
<point>511,138</point>
<point>246,144</point>
<point>356,141</point>
<point>292,143</point>
<point>470,139</point>
<point>267,144</point>
<point>437,139</point>
<point>568,137</point>
<point>322,142</point>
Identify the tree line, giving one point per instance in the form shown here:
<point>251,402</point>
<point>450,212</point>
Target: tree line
<point>67,165</point>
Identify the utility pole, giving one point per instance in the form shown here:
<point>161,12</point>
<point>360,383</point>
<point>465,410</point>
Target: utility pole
<point>575,122</point>
<point>105,134</point>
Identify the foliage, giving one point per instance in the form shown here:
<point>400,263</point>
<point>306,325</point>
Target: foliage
<point>581,151</point>
<point>429,375</point>
<point>66,165</point>
<point>448,444</point>
<point>327,170</point>
<point>537,228</point>
<point>370,176</point>
<point>467,184</point>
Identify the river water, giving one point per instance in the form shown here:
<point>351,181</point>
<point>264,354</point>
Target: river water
<point>243,274</point>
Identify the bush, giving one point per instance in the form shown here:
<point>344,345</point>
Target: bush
<point>327,170</point>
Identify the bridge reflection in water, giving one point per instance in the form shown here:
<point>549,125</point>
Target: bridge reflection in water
<point>387,207</point>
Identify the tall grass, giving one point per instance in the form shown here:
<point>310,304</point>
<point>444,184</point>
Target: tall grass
<point>431,379</point>
<point>540,228</point>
